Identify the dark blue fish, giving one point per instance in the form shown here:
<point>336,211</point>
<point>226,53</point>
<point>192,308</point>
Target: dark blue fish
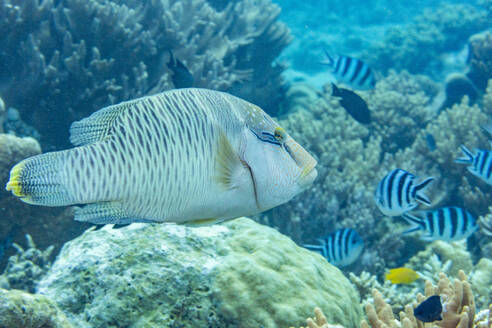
<point>479,163</point>
<point>398,193</point>
<point>340,248</point>
<point>351,71</point>
<point>429,310</point>
<point>446,223</point>
<point>181,76</point>
<point>353,104</point>
<point>431,142</point>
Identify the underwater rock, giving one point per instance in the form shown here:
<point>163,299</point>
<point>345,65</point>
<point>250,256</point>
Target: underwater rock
<point>23,310</point>
<point>239,274</point>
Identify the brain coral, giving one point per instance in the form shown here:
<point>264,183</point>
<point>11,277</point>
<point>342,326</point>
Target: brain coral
<point>240,274</point>
<point>62,60</point>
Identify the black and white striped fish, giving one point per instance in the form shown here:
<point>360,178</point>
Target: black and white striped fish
<point>479,164</point>
<point>340,248</point>
<point>446,223</point>
<point>351,71</point>
<point>398,193</point>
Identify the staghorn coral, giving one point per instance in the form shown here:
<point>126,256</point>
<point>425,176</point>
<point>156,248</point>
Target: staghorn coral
<point>460,306</point>
<point>27,267</point>
<point>483,319</point>
<point>62,60</point>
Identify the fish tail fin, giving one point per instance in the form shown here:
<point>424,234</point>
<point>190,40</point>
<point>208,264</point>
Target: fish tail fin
<point>419,191</point>
<point>415,222</point>
<point>468,159</point>
<point>36,180</point>
<point>329,59</point>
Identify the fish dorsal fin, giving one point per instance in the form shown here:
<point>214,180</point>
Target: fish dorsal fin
<point>95,127</point>
<point>229,165</point>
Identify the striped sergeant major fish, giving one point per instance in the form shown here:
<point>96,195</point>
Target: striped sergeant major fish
<point>398,193</point>
<point>191,156</point>
<point>352,72</point>
<point>341,248</point>
<point>479,164</point>
<point>446,223</point>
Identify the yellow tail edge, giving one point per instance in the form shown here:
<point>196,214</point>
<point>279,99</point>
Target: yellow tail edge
<point>14,184</point>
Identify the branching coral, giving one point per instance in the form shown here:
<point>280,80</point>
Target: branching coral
<point>459,306</point>
<point>413,46</point>
<point>26,268</point>
<point>62,60</point>
<point>480,71</point>
<point>319,320</point>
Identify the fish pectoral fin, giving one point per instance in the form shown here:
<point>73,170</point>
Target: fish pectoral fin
<point>229,165</point>
<point>105,213</point>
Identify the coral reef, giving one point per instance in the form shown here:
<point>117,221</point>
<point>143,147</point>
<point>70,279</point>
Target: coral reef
<point>239,274</point>
<point>416,46</point>
<point>62,60</point>
<point>480,66</point>
<point>23,310</point>
<point>25,269</point>
<point>460,306</point>
<point>353,158</point>
<point>319,320</point>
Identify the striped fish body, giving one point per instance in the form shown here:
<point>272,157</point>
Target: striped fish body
<point>351,71</point>
<point>479,164</point>
<point>184,156</point>
<point>398,193</point>
<point>447,223</point>
<point>340,248</point>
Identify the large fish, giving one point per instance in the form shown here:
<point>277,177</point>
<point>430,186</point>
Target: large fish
<point>186,156</point>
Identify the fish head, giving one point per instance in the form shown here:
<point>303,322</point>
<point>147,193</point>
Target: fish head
<point>279,166</point>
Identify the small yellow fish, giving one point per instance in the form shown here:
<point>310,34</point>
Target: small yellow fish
<point>402,276</point>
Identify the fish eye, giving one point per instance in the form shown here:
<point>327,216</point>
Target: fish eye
<point>279,134</point>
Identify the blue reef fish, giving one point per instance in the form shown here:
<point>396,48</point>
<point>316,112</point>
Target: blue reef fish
<point>353,104</point>
<point>446,223</point>
<point>479,164</point>
<point>340,248</point>
<point>351,71</point>
<point>398,193</point>
<point>429,310</point>
<point>430,141</point>
<point>191,156</point>
<point>181,75</point>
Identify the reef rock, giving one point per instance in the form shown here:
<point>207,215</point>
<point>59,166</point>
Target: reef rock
<point>23,310</point>
<point>239,274</point>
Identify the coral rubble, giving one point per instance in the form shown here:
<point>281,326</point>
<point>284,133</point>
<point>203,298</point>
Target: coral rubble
<point>239,274</point>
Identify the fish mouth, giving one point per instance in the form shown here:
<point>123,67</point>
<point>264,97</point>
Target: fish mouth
<point>308,174</point>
